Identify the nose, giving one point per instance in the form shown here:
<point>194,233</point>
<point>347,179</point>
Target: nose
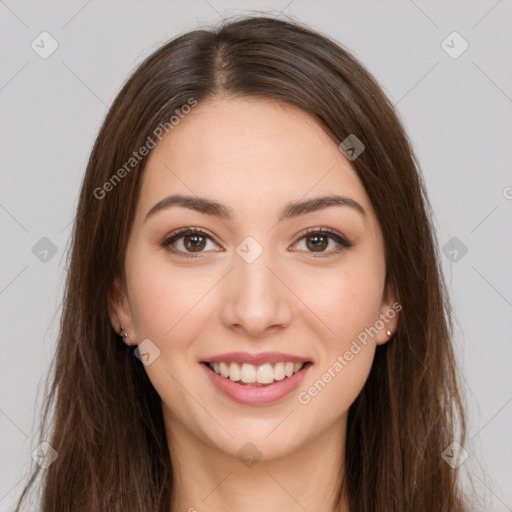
<point>256,300</point>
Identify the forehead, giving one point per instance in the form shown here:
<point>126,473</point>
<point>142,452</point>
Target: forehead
<point>249,153</point>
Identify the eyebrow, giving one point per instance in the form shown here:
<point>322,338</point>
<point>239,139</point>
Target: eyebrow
<point>215,209</point>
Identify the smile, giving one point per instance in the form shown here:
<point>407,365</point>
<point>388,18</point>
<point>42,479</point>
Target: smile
<point>261,375</point>
<point>281,379</point>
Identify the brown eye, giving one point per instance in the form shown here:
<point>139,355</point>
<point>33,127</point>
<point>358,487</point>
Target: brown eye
<point>317,241</point>
<point>187,241</point>
<point>194,242</point>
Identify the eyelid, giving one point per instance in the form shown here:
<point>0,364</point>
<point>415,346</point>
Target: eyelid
<point>184,231</point>
<point>341,238</point>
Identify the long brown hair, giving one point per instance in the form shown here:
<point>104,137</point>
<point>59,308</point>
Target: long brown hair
<point>106,422</point>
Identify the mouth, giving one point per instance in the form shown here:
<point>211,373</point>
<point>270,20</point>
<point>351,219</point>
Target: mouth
<point>260,384</point>
<point>256,376</point>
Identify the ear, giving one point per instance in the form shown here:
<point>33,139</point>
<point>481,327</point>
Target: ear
<point>119,310</point>
<point>389,314</point>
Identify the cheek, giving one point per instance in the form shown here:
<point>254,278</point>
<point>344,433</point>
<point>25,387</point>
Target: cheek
<point>166,302</point>
<point>342,302</point>
<point>335,385</point>
<point>345,356</point>
<point>343,305</point>
<point>170,309</point>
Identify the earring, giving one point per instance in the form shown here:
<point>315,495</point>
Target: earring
<point>389,333</point>
<point>123,335</point>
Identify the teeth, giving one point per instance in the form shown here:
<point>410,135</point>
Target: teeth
<point>224,369</point>
<point>234,372</point>
<point>279,371</point>
<point>262,374</point>
<point>247,373</point>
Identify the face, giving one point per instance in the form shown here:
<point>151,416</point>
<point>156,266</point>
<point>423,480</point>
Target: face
<point>265,277</point>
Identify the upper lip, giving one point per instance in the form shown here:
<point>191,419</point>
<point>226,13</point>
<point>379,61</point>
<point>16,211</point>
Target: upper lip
<point>255,359</point>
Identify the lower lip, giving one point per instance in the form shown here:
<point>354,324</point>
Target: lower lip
<point>256,395</point>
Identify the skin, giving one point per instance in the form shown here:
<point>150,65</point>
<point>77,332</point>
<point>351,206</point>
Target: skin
<point>254,156</point>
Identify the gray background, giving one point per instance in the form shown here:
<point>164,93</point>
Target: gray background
<point>457,112</point>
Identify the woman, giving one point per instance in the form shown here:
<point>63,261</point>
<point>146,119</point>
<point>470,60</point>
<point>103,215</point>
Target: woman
<point>252,225</point>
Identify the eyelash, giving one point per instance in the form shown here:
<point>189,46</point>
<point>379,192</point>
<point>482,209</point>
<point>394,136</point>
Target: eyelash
<point>180,233</point>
